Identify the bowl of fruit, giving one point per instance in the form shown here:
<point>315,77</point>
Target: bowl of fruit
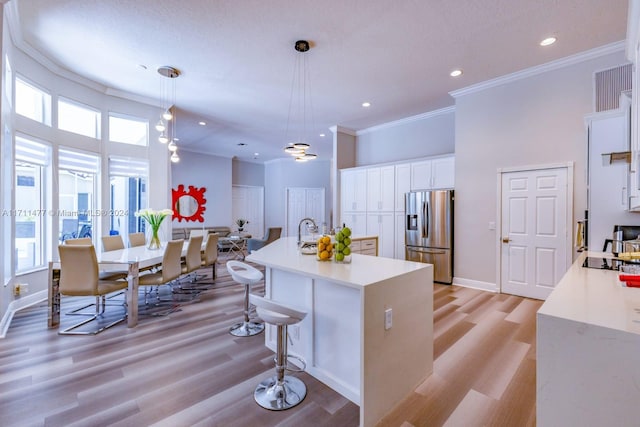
<point>341,249</point>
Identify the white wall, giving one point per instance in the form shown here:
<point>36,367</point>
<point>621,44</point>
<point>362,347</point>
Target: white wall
<point>211,172</point>
<point>283,173</point>
<point>247,173</point>
<point>425,135</point>
<point>533,121</point>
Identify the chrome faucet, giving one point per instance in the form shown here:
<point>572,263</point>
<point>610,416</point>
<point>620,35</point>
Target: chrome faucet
<point>302,221</point>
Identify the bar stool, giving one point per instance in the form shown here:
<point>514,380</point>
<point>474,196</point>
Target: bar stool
<point>247,275</point>
<point>279,392</point>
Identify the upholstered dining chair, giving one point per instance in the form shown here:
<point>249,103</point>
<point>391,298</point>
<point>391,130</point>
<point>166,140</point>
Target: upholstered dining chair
<point>136,239</point>
<point>112,243</point>
<point>192,259</point>
<point>103,275</point>
<point>170,269</point>
<point>209,256</point>
<point>80,276</point>
<point>273,233</point>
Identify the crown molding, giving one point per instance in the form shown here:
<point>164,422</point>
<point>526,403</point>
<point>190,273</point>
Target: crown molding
<point>549,66</point>
<point>336,129</point>
<point>407,120</point>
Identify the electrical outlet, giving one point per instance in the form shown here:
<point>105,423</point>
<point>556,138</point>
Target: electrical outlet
<point>388,318</point>
<point>16,289</point>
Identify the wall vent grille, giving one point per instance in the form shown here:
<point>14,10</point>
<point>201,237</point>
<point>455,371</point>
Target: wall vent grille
<point>609,84</point>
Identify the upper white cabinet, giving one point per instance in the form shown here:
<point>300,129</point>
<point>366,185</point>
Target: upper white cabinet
<point>353,195</point>
<point>431,174</point>
<point>380,189</point>
<point>403,184</point>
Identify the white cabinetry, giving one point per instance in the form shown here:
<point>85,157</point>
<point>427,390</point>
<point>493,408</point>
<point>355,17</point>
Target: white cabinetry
<point>364,246</point>
<point>353,195</point>
<point>403,184</point>
<point>400,229</point>
<point>431,174</point>
<point>380,189</point>
<point>356,221</point>
<point>383,226</point>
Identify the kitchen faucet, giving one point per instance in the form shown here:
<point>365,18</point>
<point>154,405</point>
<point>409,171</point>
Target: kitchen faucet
<point>303,220</point>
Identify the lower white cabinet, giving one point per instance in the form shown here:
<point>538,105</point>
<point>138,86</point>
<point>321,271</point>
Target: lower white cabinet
<point>364,246</point>
<point>400,229</point>
<point>383,226</point>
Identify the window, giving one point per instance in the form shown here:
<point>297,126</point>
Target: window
<point>30,215</point>
<point>77,118</point>
<point>128,130</point>
<point>77,189</point>
<point>32,102</point>
<point>128,194</point>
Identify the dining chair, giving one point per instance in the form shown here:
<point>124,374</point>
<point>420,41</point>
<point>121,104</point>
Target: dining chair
<point>209,256</point>
<point>112,243</point>
<point>170,268</point>
<point>104,274</point>
<point>80,276</point>
<point>273,234</point>
<point>192,259</point>
<point>136,239</point>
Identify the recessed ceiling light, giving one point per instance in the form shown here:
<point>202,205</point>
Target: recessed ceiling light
<point>456,73</point>
<point>366,104</point>
<point>322,135</point>
<point>548,41</point>
<point>202,123</point>
<point>256,154</point>
<point>142,66</point>
<point>241,144</point>
<point>176,139</point>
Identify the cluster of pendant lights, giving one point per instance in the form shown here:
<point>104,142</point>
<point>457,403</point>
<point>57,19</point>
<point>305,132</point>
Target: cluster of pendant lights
<point>300,76</point>
<point>167,123</point>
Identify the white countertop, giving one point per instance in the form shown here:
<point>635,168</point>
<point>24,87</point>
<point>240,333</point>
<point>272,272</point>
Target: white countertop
<point>363,270</point>
<point>594,297</point>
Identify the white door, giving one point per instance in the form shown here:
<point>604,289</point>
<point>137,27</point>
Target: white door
<point>248,203</point>
<point>535,231</point>
<point>303,203</point>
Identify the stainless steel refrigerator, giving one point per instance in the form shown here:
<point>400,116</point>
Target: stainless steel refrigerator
<point>429,231</point>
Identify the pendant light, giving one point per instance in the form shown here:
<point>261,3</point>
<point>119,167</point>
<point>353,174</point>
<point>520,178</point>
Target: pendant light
<point>298,105</point>
<point>167,123</point>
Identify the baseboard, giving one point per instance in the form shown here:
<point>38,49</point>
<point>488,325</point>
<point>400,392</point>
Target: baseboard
<point>19,304</point>
<point>476,284</point>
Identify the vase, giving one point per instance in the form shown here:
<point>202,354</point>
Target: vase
<point>240,229</point>
<point>154,241</point>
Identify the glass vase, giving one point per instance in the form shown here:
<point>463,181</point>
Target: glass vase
<point>154,240</point>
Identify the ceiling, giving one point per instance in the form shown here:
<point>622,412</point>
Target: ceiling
<point>237,57</point>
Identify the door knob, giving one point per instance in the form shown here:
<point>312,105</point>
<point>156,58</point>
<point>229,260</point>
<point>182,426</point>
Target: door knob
<point>505,240</point>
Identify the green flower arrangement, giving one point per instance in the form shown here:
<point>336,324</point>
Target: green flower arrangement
<point>154,218</point>
<point>241,222</point>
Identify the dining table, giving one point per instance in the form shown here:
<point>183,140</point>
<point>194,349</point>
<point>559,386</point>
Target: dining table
<point>132,259</point>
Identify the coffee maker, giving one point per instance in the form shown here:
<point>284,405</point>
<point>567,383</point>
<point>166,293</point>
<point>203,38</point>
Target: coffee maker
<point>620,234</point>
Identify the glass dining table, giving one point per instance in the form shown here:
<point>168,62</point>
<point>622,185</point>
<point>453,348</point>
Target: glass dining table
<point>236,243</point>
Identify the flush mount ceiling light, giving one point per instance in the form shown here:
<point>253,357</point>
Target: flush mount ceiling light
<point>366,104</point>
<point>456,73</point>
<point>167,123</point>
<point>300,96</point>
<point>548,41</point>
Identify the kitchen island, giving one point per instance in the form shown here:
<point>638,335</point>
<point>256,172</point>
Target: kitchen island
<point>588,350</point>
<point>344,339</point>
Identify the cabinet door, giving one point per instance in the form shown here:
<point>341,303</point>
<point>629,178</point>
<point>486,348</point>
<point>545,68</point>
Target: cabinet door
<point>399,250</point>
<point>443,172</point>
<point>382,225</point>
<point>403,185</point>
<point>353,190</point>
<point>387,188</point>
<point>373,190</point>
<point>421,175</point>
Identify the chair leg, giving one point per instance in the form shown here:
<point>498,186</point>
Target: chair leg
<point>246,328</point>
<point>99,313</point>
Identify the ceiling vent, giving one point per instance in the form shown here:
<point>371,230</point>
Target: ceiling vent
<point>609,84</point>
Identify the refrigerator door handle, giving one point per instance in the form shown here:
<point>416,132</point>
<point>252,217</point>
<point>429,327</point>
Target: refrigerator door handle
<point>425,220</point>
<point>428,251</point>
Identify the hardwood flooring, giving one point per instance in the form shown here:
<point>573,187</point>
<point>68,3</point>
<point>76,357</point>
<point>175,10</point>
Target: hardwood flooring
<point>185,369</point>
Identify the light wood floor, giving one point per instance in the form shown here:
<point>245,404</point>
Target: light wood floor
<point>185,369</point>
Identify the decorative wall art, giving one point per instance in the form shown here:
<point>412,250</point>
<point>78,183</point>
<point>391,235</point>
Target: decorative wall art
<point>188,205</point>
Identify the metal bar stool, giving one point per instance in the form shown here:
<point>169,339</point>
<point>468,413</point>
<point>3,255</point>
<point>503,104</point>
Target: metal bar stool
<point>247,275</point>
<point>279,392</point>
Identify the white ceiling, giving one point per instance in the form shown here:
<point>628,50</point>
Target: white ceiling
<point>237,57</point>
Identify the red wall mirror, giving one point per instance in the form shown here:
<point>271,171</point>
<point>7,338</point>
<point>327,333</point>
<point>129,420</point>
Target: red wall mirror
<point>188,205</point>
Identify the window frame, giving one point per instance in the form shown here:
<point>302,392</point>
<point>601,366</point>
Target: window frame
<point>46,101</point>
<point>130,118</point>
<point>97,118</point>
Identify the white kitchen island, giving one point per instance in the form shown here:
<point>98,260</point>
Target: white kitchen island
<point>343,338</point>
<point>588,351</point>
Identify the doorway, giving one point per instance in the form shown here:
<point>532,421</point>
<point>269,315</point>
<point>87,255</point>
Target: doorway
<point>535,241</point>
<point>303,203</point>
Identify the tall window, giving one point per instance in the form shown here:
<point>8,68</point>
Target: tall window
<point>77,194</point>
<point>30,215</point>
<point>128,187</point>
<point>128,130</point>
<point>32,102</point>
<point>78,118</point>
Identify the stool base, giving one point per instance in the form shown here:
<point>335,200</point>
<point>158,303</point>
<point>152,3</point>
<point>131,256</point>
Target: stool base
<point>278,397</point>
<point>246,329</point>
